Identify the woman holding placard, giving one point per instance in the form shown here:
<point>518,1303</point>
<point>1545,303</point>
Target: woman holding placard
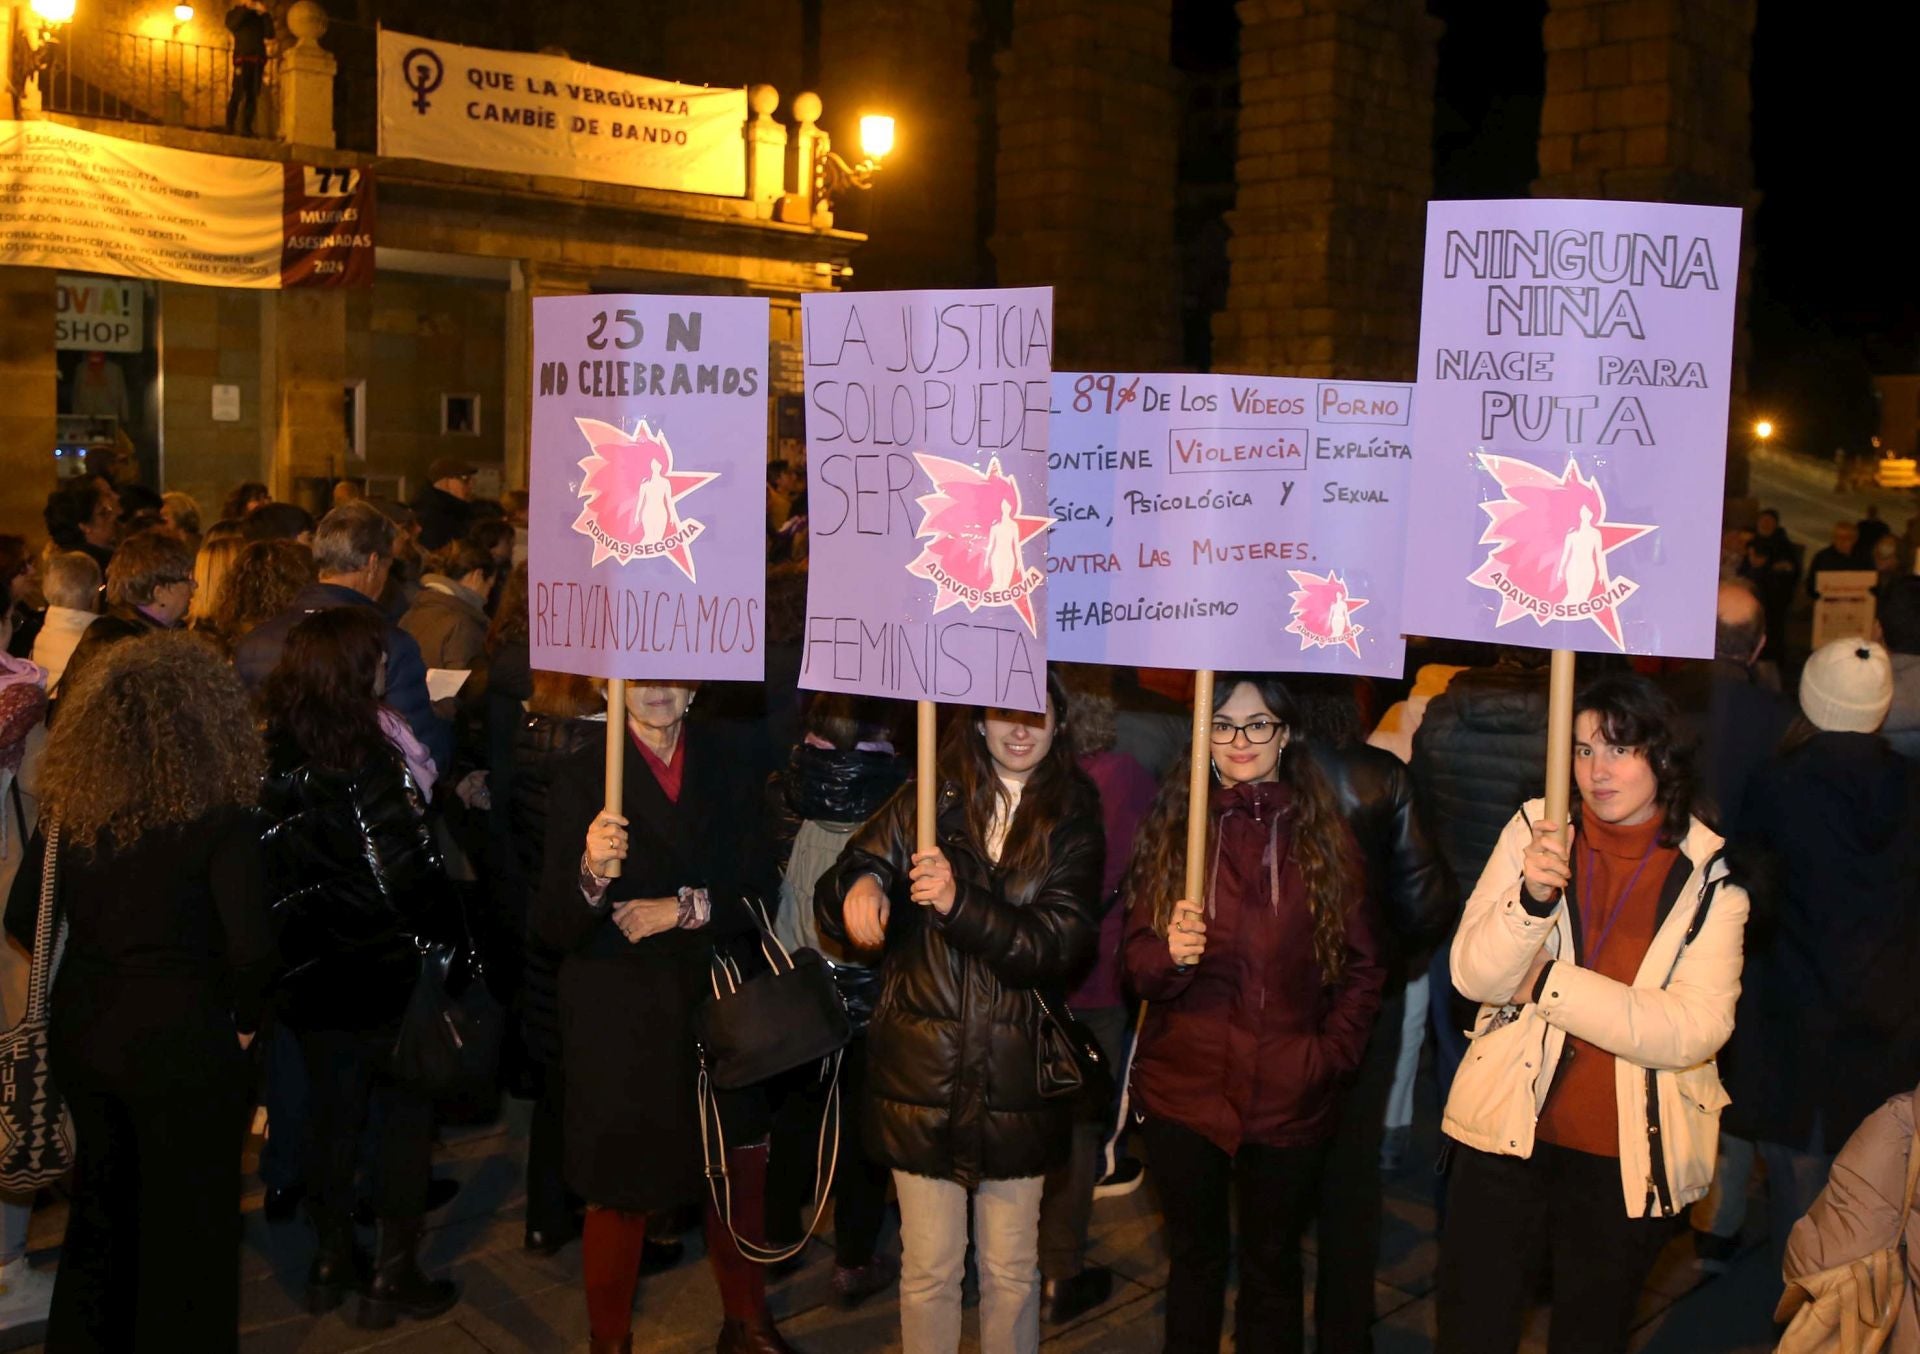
<point>1586,1115</point>
<point>1261,995</point>
<point>1000,910</point>
<point>635,949</point>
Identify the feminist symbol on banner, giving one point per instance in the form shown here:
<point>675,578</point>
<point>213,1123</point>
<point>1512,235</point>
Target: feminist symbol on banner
<point>978,536</point>
<point>422,70</point>
<point>631,495</point>
<point>1551,539</point>
<point>1323,612</point>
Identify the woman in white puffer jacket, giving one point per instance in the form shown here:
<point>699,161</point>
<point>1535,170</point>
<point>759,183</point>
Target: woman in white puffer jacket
<point>1585,1117</point>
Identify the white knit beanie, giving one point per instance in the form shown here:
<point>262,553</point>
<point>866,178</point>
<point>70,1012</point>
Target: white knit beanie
<point>1847,686</point>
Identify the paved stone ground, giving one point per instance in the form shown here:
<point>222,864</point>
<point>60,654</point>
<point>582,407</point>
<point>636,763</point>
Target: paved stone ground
<point>516,1303</point>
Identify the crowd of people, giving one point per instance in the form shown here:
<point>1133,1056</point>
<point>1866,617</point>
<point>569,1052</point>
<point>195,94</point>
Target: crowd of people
<point>272,762</point>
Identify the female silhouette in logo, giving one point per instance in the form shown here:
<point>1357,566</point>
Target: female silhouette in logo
<point>653,505</point>
<point>1003,549</point>
<point>1583,561</point>
<point>1338,621</point>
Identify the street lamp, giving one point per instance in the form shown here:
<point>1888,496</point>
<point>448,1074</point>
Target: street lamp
<point>1763,429</point>
<point>183,14</point>
<point>835,176</point>
<point>52,13</point>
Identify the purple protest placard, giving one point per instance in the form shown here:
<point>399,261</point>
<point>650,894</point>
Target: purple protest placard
<point>647,531</point>
<point>1228,522</point>
<point>926,494</point>
<point>1574,368</point>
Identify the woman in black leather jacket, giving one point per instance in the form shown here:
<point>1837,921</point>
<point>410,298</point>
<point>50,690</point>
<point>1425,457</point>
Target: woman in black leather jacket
<point>840,774</point>
<point>1003,906</point>
<point>354,877</point>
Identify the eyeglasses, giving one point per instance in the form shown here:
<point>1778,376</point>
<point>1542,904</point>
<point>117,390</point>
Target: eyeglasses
<point>1259,732</point>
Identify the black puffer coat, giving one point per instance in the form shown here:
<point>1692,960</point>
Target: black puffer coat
<point>1412,889</point>
<point>952,1080</point>
<point>353,876</point>
<point>831,786</point>
<point>1480,753</point>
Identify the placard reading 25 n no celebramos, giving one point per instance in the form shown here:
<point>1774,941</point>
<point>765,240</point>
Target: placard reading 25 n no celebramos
<point>1233,522</point>
<point>926,494</point>
<point>1574,365</point>
<point>647,529</point>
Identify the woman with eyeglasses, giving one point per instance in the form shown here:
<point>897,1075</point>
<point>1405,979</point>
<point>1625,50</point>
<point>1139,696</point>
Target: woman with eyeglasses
<point>1260,996</point>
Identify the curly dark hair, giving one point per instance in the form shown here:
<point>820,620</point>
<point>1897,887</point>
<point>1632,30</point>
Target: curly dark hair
<point>155,732</point>
<point>265,578</point>
<point>1635,713</point>
<point>1156,878</point>
<point>321,699</point>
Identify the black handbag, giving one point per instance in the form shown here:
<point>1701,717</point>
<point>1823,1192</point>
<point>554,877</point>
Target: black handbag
<point>36,1132</point>
<point>1070,1061</point>
<point>754,1029</point>
<point>451,1031</point>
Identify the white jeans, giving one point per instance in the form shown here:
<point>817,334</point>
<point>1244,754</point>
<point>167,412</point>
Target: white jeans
<point>933,1257</point>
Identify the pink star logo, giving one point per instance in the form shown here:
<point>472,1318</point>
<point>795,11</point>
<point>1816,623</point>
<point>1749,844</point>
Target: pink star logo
<point>631,496</point>
<point>1551,539</point>
<point>1323,611</point>
<point>975,554</point>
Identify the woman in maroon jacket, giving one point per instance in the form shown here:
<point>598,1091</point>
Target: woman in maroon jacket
<point>1260,998</point>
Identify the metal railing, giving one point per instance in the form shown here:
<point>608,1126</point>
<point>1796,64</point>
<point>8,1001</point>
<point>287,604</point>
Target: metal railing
<point>127,77</point>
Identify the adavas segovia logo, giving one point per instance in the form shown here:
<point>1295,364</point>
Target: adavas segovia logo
<point>977,538</point>
<point>1551,538</point>
<point>1323,611</point>
<point>630,497</point>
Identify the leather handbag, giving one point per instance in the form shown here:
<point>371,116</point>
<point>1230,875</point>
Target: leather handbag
<point>1851,1308</point>
<point>1071,1061</point>
<point>756,1028</point>
<point>452,1029</point>
<point>36,1132</point>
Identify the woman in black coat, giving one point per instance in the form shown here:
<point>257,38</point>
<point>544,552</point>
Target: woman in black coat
<point>636,964</point>
<point>160,987</point>
<point>355,878</point>
<point>1003,906</point>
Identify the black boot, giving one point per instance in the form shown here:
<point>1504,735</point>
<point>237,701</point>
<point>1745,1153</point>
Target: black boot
<point>399,1288</point>
<point>339,1266</point>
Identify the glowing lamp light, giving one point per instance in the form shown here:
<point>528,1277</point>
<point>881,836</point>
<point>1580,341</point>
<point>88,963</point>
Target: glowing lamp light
<point>876,132</point>
<point>1763,429</point>
<point>183,14</point>
<point>53,11</point>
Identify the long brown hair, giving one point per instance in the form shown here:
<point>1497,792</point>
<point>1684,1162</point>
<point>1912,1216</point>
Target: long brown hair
<point>155,733</point>
<point>1045,800</point>
<point>1156,878</point>
<point>321,696</point>
<point>510,621</point>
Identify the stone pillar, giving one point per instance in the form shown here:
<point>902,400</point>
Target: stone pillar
<point>766,150</point>
<point>912,59</point>
<point>1334,168</point>
<point>1650,101</point>
<point>1086,175</point>
<point>30,378</point>
<point>310,375</point>
<point>305,79</point>
<point>529,280</point>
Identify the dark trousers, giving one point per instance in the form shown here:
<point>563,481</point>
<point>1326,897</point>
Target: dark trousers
<point>550,1204</point>
<point>1509,1216</point>
<point>283,1160</point>
<point>152,1255</point>
<point>245,94</point>
<point>1348,1221</point>
<point>349,1074</point>
<point>1274,1190</point>
<point>859,1185</point>
<point>1066,1206</point>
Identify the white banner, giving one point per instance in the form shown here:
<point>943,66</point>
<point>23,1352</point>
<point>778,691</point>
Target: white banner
<point>528,114</point>
<point>98,314</point>
<point>79,200</point>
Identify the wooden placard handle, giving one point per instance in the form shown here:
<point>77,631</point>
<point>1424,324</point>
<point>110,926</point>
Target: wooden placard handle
<point>616,754</point>
<point>1199,769</point>
<point>1560,738</point>
<point>925,783</point>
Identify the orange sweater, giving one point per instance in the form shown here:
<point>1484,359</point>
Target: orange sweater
<point>1581,1112</point>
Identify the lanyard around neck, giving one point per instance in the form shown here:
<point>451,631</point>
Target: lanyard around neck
<point>1594,948</point>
